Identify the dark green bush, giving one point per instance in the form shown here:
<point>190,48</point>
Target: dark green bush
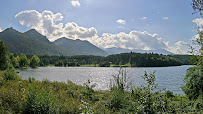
<point>38,101</point>
<point>10,75</point>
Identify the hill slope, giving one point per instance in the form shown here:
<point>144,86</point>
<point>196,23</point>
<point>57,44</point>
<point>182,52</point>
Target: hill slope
<point>79,47</point>
<point>32,42</point>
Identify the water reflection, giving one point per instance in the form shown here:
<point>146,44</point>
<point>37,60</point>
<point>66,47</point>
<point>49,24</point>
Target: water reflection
<point>170,78</point>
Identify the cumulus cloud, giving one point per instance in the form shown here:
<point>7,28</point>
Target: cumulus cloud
<point>0,29</point>
<point>121,21</point>
<point>165,18</point>
<point>45,23</point>
<point>198,21</point>
<point>133,40</point>
<point>180,47</point>
<point>75,3</point>
<point>48,24</point>
<point>34,16</point>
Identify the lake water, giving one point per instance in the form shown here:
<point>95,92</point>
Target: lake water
<point>170,78</point>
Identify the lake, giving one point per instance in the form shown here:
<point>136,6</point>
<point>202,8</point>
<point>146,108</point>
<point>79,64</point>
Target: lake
<point>170,78</point>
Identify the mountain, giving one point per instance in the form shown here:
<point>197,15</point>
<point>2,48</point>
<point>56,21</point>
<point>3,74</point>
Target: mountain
<point>115,50</point>
<point>29,43</point>
<point>32,42</point>
<point>79,47</point>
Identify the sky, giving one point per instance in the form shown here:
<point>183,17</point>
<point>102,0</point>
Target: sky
<point>129,24</point>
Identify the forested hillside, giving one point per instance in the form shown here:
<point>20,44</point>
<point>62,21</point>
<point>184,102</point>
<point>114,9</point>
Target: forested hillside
<point>124,59</point>
<point>79,47</point>
<point>46,97</point>
<point>25,43</point>
<point>33,43</point>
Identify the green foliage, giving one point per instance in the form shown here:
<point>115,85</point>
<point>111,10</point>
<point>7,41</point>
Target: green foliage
<point>197,5</point>
<point>38,101</point>
<point>32,42</point>
<point>146,98</point>
<point>34,62</point>
<point>4,58</point>
<point>193,80</point>
<point>104,64</point>
<point>193,87</point>
<point>124,59</point>
<point>31,96</point>
<point>143,60</point>
<point>150,79</point>
<point>117,100</point>
<point>10,74</point>
<point>120,80</point>
<point>31,79</point>
<point>89,92</point>
<point>79,47</point>
<point>23,61</point>
<point>169,94</point>
<point>193,83</point>
<point>14,60</point>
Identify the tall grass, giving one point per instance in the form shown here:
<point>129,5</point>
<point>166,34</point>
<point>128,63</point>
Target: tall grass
<point>32,96</point>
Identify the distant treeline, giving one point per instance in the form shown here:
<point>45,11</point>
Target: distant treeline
<point>124,59</point>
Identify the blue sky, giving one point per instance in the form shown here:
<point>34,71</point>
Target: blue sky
<point>171,20</point>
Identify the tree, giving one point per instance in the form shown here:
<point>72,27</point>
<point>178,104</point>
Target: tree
<point>23,61</point>
<point>197,5</point>
<point>13,60</point>
<point>34,62</point>
<point>4,56</point>
<point>193,87</point>
<point>194,78</point>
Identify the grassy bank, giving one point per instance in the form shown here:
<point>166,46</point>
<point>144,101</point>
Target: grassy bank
<point>111,65</point>
<point>32,96</point>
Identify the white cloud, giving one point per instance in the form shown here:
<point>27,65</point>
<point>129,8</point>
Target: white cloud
<point>165,18</point>
<point>121,21</point>
<point>133,40</point>
<point>0,29</point>
<point>180,47</point>
<point>47,23</point>
<point>75,3</point>
<point>196,47</point>
<point>32,15</point>
<point>198,21</point>
<point>144,18</point>
<point>139,40</point>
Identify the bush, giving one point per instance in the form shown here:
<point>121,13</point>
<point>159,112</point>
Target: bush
<point>10,75</point>
<point>30,79</point>
<point>169,94</point>
<point>104,64</point>
<point>89,92</point>
<point>38,101</point>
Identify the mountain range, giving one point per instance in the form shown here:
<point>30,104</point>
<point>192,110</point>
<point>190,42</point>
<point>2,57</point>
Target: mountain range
<point>82,47</point>
<point>32,42</point>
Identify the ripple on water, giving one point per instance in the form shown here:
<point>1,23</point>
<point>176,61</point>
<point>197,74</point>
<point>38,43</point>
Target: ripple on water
<point>170,78</point>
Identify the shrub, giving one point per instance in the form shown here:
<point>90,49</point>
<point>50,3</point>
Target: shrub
<point>10,75</point>
<point>38,101</point>
<point>169,94</point>
<point>89,92</point>
<point>30,79</point>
